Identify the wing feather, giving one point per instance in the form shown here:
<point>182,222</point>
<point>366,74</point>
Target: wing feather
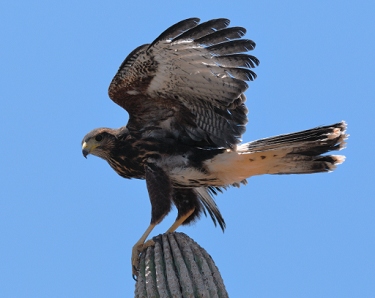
<point>237,60</point>
<point>176,30</point>
<point>222,35</point>
<point>189,83</point>
<point>232,47</point>
<point>203,29</point>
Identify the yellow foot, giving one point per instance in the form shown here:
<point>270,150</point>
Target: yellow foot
<point>136,252</point>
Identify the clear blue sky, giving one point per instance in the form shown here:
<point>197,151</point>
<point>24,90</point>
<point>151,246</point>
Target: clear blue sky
<point>67,224</point>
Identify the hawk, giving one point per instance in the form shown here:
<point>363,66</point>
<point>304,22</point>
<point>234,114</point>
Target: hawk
<point>184,93</point>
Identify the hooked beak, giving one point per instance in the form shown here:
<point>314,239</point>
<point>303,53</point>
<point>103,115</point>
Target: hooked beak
<point>85,150</point>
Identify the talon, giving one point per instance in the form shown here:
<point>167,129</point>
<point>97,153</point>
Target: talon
<point>135,269</point>
<point>136,253</point>
<point>138,248</point>
<point>135,273</point>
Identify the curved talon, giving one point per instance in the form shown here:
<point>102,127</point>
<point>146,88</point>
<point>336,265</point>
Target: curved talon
<point>135,271</point>
<point>136,253</point>
<point>137,249</point>
<point>135,276</point>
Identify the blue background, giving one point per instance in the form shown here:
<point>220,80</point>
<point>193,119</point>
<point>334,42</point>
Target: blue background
<point>67,224</point>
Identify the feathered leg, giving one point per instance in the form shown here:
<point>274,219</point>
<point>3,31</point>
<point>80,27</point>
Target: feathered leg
<point>188,206</point>
<point>160,193</point>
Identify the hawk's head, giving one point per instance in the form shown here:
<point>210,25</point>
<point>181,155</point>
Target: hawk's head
<point>99,142</point>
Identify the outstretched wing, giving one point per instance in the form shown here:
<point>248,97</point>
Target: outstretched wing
<point>188,83</point>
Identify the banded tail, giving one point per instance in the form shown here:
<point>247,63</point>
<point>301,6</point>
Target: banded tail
<point>294,153</point>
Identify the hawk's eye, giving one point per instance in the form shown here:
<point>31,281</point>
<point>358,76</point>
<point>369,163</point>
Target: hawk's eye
<point>98,138</point>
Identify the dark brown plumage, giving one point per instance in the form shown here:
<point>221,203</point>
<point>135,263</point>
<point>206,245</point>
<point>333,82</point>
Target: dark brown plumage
<point>184,93</point>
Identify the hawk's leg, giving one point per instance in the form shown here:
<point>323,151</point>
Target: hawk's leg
<point>160,192</point>
<point>139,247</point>
<point>179,221</point>
<point>188,206</point>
